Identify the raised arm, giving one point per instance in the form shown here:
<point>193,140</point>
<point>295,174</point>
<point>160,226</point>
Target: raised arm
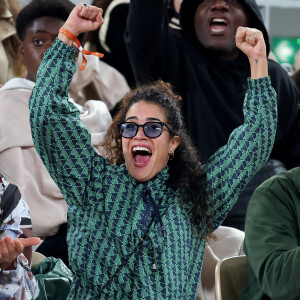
<point>148,38</point>
<point>249,146</point>
<point>61,140</point>
<point>251,42</point>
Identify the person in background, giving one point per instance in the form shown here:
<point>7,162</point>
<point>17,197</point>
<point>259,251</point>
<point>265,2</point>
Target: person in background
<point>10,62</point>
<point>109,39</point>
<point>272,239</point>
<point>16,280</point>
<point>138,215</point>
<point>37,26</point>
<point>99,82</point>
<point>204,65</point>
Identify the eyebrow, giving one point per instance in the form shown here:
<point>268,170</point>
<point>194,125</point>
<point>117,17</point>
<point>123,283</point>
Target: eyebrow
<point>147,119</point>
<point>39,31</point>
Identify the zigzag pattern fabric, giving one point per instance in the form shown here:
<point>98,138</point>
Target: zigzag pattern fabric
<point>109,211</point>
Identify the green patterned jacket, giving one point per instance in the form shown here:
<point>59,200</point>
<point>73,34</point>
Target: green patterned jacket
<point>109,211</point>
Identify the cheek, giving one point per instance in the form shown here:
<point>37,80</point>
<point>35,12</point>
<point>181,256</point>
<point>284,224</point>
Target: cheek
<point>34,59</point>
<point>125,147</point>
<point>242,19</point>
<point>199,26</point>
<point>163,151</point>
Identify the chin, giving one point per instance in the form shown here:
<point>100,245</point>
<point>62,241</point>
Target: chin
<point>137,174</point>
<point>140,177</point>
<point>141,174</point>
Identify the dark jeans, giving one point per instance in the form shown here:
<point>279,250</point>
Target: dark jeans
<point>237,215</point>
<point>56,245</point>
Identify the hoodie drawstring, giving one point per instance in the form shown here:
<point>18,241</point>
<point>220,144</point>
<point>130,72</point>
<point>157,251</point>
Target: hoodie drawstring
<point>157,213</point>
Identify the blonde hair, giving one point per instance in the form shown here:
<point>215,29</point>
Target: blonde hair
<point>8,13</point>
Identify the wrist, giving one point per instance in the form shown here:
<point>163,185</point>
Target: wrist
<point>65,39</point>
<point>69,38</point>
<point>259,67</point>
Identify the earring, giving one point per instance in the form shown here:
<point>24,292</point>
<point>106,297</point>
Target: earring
<point>171,155</point>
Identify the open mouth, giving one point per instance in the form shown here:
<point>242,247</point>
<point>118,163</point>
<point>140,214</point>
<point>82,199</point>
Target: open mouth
<point>141,155</point>
<point>218,25</point>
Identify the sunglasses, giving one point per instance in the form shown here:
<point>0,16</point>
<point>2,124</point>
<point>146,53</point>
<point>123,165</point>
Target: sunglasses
<point>151,129</point>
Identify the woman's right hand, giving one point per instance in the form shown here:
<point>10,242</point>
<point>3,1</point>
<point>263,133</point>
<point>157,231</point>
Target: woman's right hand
<point>84,18</point>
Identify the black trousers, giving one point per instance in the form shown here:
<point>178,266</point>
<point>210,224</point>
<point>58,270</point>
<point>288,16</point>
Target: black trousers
<point>56,245</point>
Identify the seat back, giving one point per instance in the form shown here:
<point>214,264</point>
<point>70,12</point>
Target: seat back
<point>36,258</point>
<point>231,277</point>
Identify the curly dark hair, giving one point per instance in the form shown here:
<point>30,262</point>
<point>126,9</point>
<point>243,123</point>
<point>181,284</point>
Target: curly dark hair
<point>185,169</point>
<point>41,8</point>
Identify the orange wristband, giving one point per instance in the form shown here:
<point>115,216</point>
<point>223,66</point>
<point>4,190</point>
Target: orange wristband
<point>76,42</point>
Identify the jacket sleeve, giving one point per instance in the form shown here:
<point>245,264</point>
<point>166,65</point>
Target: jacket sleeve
<point>247,150</point>
<point>148,38</point>
<point>272,238</point>
<point>60,138</point>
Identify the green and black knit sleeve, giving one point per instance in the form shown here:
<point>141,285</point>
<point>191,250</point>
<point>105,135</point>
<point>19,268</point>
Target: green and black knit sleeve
<point>60,138</point>
<point>248,148</point>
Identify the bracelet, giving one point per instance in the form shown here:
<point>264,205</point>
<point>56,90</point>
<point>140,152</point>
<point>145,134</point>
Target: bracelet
<point>76,43</point>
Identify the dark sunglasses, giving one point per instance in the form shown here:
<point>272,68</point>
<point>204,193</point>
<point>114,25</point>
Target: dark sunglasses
<point>151,129</point>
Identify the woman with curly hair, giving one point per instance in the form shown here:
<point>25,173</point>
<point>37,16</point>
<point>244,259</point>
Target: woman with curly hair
<point>138,215</point>
<point>185,170</point>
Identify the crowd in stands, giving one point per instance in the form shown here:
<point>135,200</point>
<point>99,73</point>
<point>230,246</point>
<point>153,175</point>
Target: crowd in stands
<point>146,213</point>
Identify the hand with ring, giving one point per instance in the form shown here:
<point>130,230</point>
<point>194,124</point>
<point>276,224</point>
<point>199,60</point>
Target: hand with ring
<point>84,18</point>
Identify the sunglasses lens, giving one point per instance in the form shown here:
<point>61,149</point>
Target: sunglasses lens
<point>153,130</point>
<point>128,130</point>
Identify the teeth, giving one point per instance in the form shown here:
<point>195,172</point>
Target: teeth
<point>218,20</point>
<point>216,30</point>
<point>139,148</point>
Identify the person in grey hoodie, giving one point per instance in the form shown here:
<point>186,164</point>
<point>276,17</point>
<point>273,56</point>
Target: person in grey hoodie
<point>203,64</point>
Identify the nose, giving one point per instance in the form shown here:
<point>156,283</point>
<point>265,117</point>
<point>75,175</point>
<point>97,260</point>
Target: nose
<point>219,5</point>
<point>140,133</point>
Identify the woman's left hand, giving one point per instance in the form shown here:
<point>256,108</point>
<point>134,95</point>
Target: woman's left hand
<point>251,42</point>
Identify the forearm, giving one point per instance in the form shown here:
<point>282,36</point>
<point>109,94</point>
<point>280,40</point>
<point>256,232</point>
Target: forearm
<point>65,39</point>
<point>61,140</point>
<point>247,150</point>
<point>258,67</point>
<point>148,33</point>
<point>50,94</point>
